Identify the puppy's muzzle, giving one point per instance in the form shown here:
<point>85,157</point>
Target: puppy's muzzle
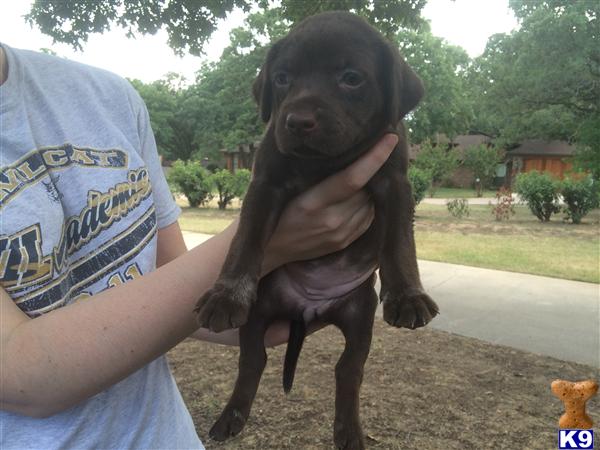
<point>301,124</point>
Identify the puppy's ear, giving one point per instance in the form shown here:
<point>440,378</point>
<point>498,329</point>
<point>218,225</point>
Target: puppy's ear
<point>261,88</point>
<point>403,89</point>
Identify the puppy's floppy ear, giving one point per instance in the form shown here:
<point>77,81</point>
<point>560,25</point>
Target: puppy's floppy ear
<point>403,89</point>
<point>261,88</point>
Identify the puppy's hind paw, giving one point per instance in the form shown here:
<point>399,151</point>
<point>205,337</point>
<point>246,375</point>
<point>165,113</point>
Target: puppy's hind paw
<point>228,425</point>
<point>411,309</point>
<point>348,437</point>
<point>226,305</point>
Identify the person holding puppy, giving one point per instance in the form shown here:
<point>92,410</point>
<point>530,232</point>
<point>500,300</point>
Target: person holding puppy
<point>96,284</point>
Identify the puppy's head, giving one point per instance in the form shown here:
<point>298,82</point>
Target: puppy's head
<point>331,84</point>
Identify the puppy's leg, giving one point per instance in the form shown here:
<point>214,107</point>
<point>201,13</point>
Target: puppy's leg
<point>405,303</point>
<point>253,359</point>
<point>355,319</point>
<point>228,303</point>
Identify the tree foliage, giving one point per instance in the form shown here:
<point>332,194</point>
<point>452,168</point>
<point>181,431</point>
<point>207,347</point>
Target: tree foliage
<point>482,160</point>
<point>543,80</point>
<point>174,129</point>
<point>189,24</point>
<point>446,108</point>
<point>438,161</point>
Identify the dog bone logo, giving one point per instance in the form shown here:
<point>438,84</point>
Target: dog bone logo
<point>574,396</point>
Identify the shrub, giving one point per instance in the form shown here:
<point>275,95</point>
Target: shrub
<point>420,180</point>
<point>190,179</point>
<point>580,196</point>
<point>229,185</point>
<point>504,207</point>
<point>540,192</point>
<point>459,207</point>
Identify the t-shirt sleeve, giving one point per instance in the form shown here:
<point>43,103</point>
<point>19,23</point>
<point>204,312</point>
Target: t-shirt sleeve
<point>167,210</point>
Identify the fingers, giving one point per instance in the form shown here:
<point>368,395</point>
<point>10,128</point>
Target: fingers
<point>359,223</point>
<point>352,179</point>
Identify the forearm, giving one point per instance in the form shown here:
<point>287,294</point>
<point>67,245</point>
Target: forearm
<point>55,361</point>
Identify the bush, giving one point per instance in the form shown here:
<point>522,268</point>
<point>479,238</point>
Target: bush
<point>580,196</point>
<point>420,180</point>
<point>504,207</point>
<point>540,192</point>
<point>229,185</point>
<point>459,207</point>
<point>190,179</point>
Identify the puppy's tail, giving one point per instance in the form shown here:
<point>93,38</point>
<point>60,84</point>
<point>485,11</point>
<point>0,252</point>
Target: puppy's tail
<point>295,341</point>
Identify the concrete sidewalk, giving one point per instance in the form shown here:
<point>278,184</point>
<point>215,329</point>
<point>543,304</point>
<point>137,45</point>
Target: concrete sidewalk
<point>548,316</point>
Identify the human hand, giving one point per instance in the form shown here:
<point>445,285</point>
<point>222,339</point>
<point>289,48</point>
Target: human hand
<point>329,216</point>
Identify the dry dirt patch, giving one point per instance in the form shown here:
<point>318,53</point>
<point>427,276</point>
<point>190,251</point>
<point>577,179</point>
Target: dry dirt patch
<point>422,389</point>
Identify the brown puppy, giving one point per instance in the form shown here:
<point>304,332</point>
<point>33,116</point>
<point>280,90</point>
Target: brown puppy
<point>329,91</point>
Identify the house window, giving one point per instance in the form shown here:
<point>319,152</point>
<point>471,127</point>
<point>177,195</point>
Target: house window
<point>501,170</point>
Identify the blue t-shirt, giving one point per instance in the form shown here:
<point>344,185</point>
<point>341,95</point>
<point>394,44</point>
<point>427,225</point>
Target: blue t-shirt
<point>82,194</point>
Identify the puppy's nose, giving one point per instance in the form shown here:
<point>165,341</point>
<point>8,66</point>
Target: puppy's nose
<point>300,123</point>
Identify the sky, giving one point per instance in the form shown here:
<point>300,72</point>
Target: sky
<point>467,23</point>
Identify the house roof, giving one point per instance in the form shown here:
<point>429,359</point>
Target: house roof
<point>539,147</point>
<point>464,141</point>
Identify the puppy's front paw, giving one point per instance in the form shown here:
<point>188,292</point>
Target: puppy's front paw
<point>409,309</point>
<point>226,305</point>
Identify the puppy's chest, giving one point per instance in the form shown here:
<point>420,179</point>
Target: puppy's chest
<point>306,286</point>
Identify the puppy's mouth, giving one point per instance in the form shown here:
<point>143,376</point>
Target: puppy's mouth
<point>306,152</point>
<point>321,145</point>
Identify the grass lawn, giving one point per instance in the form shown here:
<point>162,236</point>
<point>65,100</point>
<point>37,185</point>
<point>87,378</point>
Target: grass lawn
<point>522,244</point>
<point>445,192</point>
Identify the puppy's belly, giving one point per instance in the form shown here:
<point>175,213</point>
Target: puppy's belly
<point>309,288</point>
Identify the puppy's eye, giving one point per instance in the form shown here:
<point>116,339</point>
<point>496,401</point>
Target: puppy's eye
<point>351,78</point>
<point>281,79</point>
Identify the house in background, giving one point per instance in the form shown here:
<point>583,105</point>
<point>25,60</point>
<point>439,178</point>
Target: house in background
<point>553,157</point>
<point>240,157</point>
<point>463,177</point>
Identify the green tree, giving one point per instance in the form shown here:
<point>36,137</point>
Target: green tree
<point>445,108</point>
<point>438,161</point>
<point>543,80</point>
<point>173,114</point>
<point>189,24</point>
<point>482,160</point>
<point>229,185</point>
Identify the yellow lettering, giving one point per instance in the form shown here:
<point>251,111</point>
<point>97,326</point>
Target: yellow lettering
<point>115,280</point>
<point>55,158</point>
<point>81,157</point>
<point>30,174</point>
<point>11,174</point>
<point>132,272</point>
<point>103,157</point>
